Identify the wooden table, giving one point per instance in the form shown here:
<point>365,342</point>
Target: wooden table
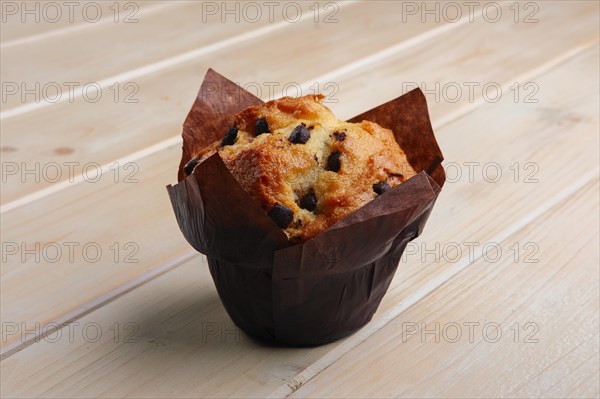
<point>102,296</point>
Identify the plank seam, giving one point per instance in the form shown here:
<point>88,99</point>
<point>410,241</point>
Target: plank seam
<point>74,315</point>
<point>353,66</point>
<point>163,145</point>
<point>101,170</point>
<point>160,65</point>
<point>98,302</point>
<point>358,338</point>
<point>148,276</point>
<point>553,63</point>
<point>77,27</point>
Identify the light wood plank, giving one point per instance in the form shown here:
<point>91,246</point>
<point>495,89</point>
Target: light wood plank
<point>177,365</point>
<point>546,315</point>
<point>138,215</point>
<point>101,56</point>
<point>489,212</point>
<point>181,324</point>
<point>33,22</point>
<point>105,131</point>
<point>117,205</point>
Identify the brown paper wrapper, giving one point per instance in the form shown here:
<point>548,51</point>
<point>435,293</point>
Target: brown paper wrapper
<point>330,286</point>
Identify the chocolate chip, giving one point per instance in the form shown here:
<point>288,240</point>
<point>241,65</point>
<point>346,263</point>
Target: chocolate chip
<point>333,162</point>
<point>189,167</point>
<point>281,215</point>
<point>261,126</point>
<point>381,187</point>
<point>309,201</point>
<point>339,136</point>
<point>230,136</point>
<point>300,135</point>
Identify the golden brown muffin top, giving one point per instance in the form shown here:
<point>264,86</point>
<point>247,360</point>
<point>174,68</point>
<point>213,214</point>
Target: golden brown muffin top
<point>306,168</point>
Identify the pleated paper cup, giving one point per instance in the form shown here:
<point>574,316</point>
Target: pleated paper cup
<point>323,289</point>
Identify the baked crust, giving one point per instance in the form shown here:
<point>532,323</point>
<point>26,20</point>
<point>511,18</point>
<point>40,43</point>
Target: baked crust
<point>309,182</point>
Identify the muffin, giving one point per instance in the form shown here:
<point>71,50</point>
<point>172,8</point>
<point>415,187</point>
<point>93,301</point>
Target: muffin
<point>303,166</point>
<point>256,181</point>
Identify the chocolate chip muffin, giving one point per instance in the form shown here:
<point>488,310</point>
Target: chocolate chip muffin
<point>306,168</point>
